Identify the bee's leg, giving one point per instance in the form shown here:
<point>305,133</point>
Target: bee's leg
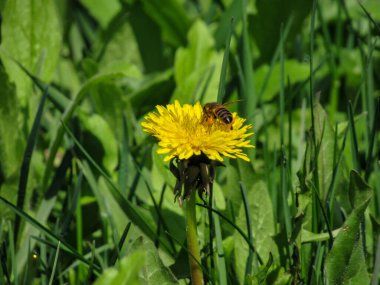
<point>232,122</point>
<point>210,120</point>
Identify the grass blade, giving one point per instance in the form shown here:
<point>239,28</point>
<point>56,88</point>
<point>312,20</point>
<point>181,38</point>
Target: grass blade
<point>248,267</point>
<point>24,173</point>
<point>222,81</point>
<point>156,242</point>
<point>204,270</point>
<point>354,140</point>
<point>323,213</point>
<point>206,81</point>
<point>129,209</point>
<point>54,264</point>
<point>69,214</point>
<point>284,193</point>
<point>369,16</point>
<point>3,259</point>
<point>372,140</point>
<point>331,190</point>
<point>274,60</point>
<point>67,117</point>
<point>221,262</point>
<point>248,87</point>
<point>123,154</point>
<point>121,243</point>
<point>346,260</point>
<point>376,267</point>
<point>60,101</point>
<point>67,247</point>
<point>311,98</point>
<point>236,228</point>
<point>156,207</point>
<point>90,270</point>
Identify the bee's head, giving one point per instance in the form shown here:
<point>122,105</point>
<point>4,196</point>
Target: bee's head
<point>209,106</point>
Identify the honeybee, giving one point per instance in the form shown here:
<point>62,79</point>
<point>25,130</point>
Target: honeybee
<point>213,111</point>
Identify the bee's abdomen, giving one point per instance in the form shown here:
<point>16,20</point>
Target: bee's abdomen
<point>224,115</point>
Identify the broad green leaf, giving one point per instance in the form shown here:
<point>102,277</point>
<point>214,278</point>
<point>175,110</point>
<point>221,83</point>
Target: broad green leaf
<point>108,101</point>
<point>372,6</point>
<point>171,212</point>
<point>325,139</point>
<point>154,271</point>
<point>324,134</point>
<point>226,56</point>
<point>308,236</point>
<point>101,10</point>
<point>266,23</point>
<point>148,34</point>
<point>228,177</point>
<point>279,276</point>
<point>38,227</point>
<point>263,227</point>
<point>122,49</point>
<point>350,66</point>
<point>97,129</point>
<point>234,11</point>
<point>219,197</point>
<point>11,139</point>
<point>109,209</point>
<point>137,215</point>
<point>66,76</point>
<point>172,18</point>
<point>303,216</point>
<point>246,75</point>
<point>194,64</point>
<point>31,35</point>
<point>8,190</point>
<point>25,170</point>
<point>294,70</point>
<point>346,262</point>
<point>108,97</point>
<point>56,141</point>
<point>260,277</point>
<point>155,90</point>
<point>126,272</point>
<point>160,172</point>
<point>220,259</point>
<point>129,70</point>
<point>354,10</point>
<point>342,126</point>
<point>159,175</point>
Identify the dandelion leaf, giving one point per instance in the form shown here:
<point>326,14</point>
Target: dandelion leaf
<point>197,67</point>
<point>345,263</point>
<point>263,228</point>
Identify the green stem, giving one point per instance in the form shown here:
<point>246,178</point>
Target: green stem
<point>192,242</point>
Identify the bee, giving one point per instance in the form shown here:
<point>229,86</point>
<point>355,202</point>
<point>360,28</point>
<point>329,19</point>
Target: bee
<point>213,111</point>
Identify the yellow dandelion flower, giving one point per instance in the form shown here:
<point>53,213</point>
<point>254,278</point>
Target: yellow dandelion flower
<point>182,133</point>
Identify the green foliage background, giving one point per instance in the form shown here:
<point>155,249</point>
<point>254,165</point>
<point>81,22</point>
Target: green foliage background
<point>84,198</point>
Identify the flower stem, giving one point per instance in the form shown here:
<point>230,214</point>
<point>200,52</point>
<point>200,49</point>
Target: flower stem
<point>192,242</point>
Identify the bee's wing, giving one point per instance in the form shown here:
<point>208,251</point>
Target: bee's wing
<point>231,102</point>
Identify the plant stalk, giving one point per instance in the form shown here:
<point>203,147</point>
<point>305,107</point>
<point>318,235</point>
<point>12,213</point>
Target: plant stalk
<point>192,242</point>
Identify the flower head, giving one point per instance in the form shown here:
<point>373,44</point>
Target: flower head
<point>183,133</point>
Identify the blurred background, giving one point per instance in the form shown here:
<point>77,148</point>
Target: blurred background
<point>84,198</point>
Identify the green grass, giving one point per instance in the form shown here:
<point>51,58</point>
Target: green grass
<point>85,198</point>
